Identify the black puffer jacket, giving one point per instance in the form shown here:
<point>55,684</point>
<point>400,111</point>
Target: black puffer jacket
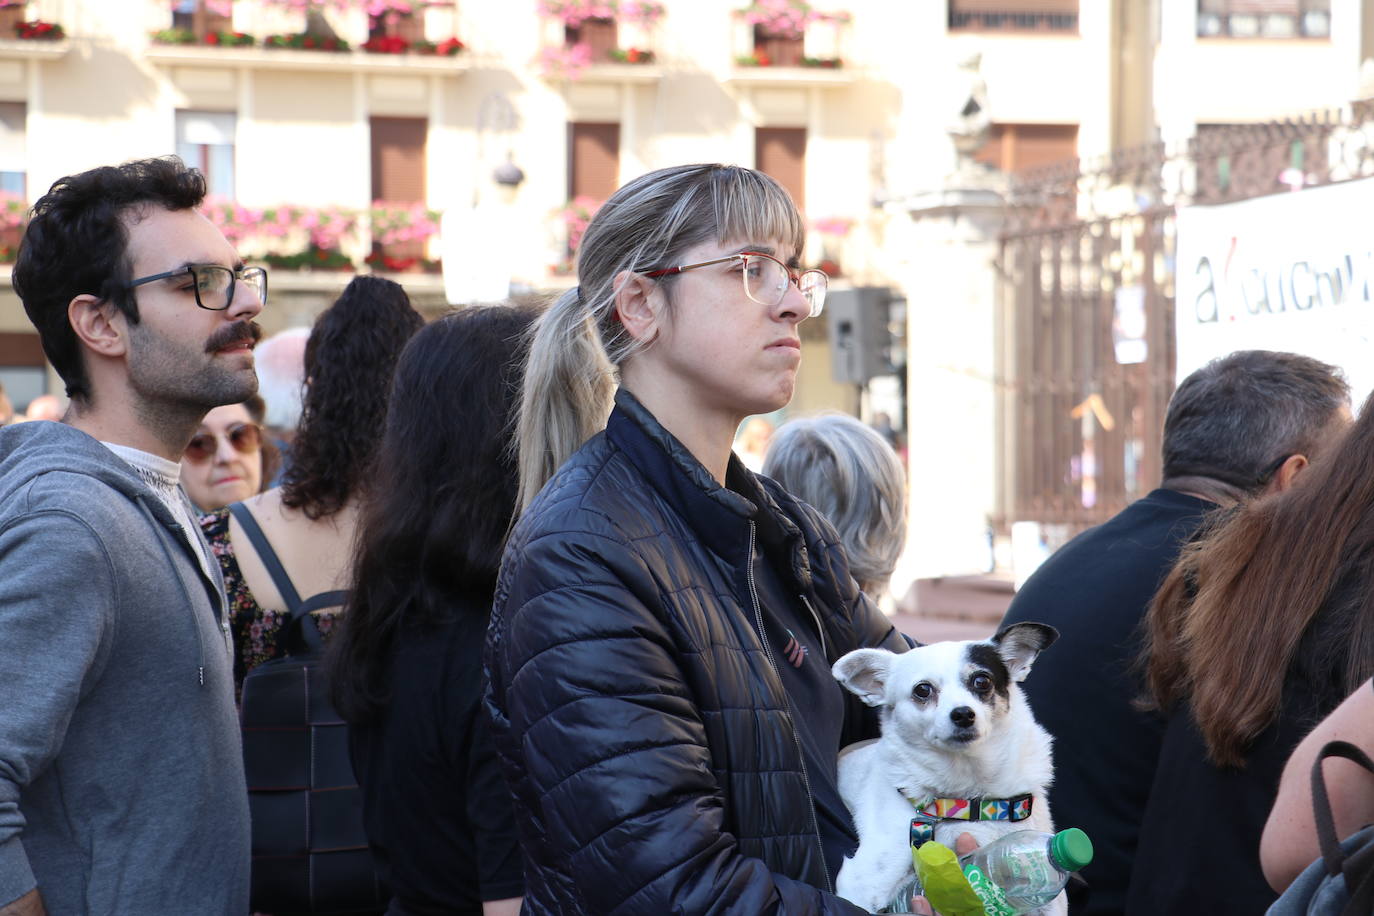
<point>645,735</point>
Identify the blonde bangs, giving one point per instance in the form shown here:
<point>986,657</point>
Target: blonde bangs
<point>751,206</point>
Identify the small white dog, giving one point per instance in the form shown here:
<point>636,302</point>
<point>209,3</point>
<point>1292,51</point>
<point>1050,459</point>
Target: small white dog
<point>958,744</point>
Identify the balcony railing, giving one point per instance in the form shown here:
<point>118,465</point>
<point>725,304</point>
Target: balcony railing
<point>1012,20</point>
<point>1308,24</point>
<point>426,32</point>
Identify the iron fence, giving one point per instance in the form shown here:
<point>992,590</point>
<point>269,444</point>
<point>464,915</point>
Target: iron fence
<point>1086,332</point>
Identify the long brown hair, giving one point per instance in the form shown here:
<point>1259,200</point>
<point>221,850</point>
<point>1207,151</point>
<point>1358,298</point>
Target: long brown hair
<point>1224,628</point>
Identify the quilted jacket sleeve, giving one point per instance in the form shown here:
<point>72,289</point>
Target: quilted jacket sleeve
<point>605,747</point>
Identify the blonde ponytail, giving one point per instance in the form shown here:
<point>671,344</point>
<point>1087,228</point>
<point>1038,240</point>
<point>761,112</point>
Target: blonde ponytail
<point>568,388</point>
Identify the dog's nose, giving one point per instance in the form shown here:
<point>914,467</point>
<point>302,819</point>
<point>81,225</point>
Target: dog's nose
<point>962,716</point>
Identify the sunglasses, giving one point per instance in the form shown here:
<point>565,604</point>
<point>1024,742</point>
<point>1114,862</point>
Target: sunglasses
<point>246,438</point>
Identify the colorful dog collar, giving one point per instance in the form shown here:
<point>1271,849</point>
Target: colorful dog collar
<point>931,810</point>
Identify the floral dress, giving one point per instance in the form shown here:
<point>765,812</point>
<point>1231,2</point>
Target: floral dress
<point>256,632</point>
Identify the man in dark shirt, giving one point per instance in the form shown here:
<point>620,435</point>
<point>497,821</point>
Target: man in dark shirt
<point>1240,425</point>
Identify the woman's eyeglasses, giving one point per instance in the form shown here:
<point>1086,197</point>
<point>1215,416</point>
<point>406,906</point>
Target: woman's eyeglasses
<point>246,438</point>
<point>766,278</point>
<point>214,285</point>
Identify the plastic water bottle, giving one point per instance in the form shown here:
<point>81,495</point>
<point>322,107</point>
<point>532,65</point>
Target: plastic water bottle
<point>1023,871</point>
<point>901,901</point>
<point>937,877</point>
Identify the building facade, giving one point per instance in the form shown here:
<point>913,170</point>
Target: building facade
<point>481,134</point>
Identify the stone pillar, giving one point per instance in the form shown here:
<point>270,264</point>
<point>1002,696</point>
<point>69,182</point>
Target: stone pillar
<point>950,278</point>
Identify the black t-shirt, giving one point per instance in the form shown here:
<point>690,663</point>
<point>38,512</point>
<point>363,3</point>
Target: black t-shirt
<point>1095,590</point>
<point>1199,840</point>
<point>437,811</point>
<point>816,698</point>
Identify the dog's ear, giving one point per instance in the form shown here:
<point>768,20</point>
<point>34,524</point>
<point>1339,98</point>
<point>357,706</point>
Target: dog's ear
<point>863,673</point>
<point>1020,643</point>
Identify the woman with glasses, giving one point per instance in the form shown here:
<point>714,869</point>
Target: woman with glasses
<point>228,459</point>
<point>665,621</point>
<point>309,521</point>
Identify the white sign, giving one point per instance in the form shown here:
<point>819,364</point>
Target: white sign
<point>1288,272</point>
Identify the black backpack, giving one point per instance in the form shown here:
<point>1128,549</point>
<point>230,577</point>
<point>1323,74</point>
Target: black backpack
<point>310,852</point>
<point>1341,882</point>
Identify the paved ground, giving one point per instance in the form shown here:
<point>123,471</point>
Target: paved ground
<point>956,607</point>
<point>936,629</point>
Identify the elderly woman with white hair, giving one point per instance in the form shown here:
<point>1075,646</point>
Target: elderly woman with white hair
<point>850,473</point>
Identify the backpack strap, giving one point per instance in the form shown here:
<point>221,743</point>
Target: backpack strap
<point>324,600</point>
<point>1333,858</point>
<point>299,610</point>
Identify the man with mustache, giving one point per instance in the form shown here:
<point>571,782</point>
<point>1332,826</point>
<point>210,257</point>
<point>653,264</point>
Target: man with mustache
<point>121,774</point>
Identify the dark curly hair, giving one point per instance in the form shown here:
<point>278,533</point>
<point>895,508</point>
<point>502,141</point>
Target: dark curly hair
<point>434,522</point>
<point>77,243</point>
<point>349,358</point>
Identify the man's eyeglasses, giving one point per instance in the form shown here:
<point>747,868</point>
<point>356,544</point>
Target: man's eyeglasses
<point>214,285</point>
<point>766,278</point>
<point>246,438</point>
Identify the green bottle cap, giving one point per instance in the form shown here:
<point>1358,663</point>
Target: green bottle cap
<point>943,882</point>
<point>1071,849</point>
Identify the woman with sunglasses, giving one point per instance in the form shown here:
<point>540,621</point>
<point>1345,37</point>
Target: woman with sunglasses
<point>227,459</point>
<point>665,621</point>
<point>309,521</point>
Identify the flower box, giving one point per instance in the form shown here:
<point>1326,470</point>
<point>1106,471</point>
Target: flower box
<point>630,56</point>
<point>305,41</point>
<point>38,30</point>
<point>312,258</point>
<point>381,261</point>
<point>395,44</point>
<point>219,39</point>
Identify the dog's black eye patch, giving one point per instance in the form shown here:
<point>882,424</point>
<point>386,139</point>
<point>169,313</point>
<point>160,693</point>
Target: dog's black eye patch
<point>987,658</point>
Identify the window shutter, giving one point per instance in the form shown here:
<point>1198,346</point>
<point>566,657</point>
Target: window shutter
<point>395,24</point>
<point>1018,147</point>
<point>593,160</point>
<point>780,153</point>
<point>1044,144</point>
<point>599,35</point>
<point>398,159</point>
<point>20,349</point>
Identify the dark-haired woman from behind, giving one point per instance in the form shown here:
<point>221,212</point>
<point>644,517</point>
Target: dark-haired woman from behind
<point>407,663</point>
<point>1261,629</point>
<point>308,522</point>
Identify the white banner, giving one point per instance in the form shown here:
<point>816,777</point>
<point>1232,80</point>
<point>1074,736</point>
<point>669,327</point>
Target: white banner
<point>1286,272</point>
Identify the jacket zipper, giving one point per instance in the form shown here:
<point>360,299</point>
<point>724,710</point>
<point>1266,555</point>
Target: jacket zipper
<point>801,756</point>
<point>820,630</point>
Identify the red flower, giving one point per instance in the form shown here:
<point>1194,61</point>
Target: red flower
<point>763,59</point>
<point>632,55</point>
<point>212,38</point>
<point>308,42</point>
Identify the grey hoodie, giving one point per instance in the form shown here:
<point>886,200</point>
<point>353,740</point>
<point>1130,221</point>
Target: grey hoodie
<point>121,771</point>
